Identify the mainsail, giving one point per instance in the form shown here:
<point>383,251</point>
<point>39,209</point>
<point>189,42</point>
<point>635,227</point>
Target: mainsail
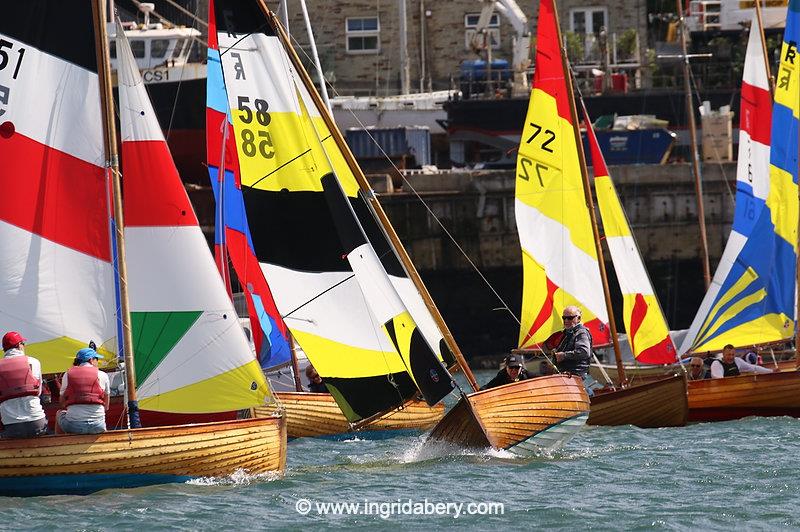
<point>648,333</point>
<point>310,229</point>
<point>751,298</point>
<point>190,351</point>
<point>57,281</point>
<point>232,233</point>
<point>559,257</point>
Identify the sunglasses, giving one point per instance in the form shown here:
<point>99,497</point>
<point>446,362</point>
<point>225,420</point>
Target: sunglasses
<point>696,366</point>
<point>568,317</point>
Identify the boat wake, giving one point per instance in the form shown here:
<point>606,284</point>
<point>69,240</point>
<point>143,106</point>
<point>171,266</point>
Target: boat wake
<point>240,477</point>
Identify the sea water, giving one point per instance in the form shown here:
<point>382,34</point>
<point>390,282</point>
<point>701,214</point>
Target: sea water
<point>743,474</point>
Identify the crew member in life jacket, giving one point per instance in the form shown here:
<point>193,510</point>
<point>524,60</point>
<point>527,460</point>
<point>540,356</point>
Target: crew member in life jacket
<point>315,383</point>
<point>512,372</point>
<point>574,351</point>
<point>20,385</point>
<point>731,365</point>
<point>85,392</point>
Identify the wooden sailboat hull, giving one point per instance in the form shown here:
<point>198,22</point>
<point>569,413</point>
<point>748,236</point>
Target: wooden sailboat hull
<point>638,373</point>
<point>766,394</point>
<point>662,403</point>
<point>522,417</point>
<point>80,464</point>
<point>315,415</point>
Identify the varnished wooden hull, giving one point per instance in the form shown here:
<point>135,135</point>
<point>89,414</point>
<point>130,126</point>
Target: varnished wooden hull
<point>768,394</point>
<point>317,415</point>
<point>636,374</point>
<point>79,464</point>
<point>661,403</point>
<point>522,417</point>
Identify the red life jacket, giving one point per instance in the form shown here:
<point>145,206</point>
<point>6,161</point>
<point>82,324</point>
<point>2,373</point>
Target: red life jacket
<point>16,378</point>
<point>83,387</point>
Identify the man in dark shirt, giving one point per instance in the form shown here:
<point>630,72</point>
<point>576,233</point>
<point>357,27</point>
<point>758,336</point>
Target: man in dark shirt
<point>574,351</point>
<point>512,372</point>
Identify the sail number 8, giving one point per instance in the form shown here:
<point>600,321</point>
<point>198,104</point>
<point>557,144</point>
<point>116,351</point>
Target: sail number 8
<point>258,141</point>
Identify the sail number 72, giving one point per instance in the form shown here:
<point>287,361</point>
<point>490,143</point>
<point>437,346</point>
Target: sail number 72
<point>257,116</point>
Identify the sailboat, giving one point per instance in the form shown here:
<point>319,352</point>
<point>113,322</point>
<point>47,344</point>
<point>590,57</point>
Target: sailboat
<point>340,278</point>
<point>751,300</point>
<point>308,414</point>
<point>65,275</point>
<point>562,257</point>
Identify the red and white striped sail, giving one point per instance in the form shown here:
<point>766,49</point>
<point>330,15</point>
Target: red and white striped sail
<point>56,278</point>
<point>648,333</point>
<point>559,257</point>
<point>190,350</point>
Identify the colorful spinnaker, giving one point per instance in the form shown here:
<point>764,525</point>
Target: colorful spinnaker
<point>559,257</point>
<point>648,333</point>
<point>190,351</point>
<point>57,281</point>
<point>752,296</point>
<point>232,232</point>
<point>313,234</point>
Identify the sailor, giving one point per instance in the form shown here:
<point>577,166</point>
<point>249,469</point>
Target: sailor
<point>697,370</point>
<point>574,351</point>
<point>20,385</point>
<point>85,392</point>
<point>730,365</point>
<point>512,372</point>
<point>315,381</point>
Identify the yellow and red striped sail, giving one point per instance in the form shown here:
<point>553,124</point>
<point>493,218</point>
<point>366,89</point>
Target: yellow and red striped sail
<point>648,334</point>
<point>559,260</point>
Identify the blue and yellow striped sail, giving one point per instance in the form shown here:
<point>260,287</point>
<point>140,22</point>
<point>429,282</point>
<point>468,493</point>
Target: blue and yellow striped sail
<point>755,303</point>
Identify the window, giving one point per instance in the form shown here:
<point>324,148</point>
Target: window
<point>587,20</point>
<point>492,31</point>
<point>363,35</point>
<point>137,47</point>
<point>158,48</point>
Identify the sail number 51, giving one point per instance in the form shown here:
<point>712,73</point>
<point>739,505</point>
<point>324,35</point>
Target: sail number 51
<point>258,141</point>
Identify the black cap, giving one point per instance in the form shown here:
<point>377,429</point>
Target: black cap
<point>513,361</point>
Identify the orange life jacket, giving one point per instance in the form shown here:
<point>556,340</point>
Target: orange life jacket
<point>16,378</point>
<point>83,387</point>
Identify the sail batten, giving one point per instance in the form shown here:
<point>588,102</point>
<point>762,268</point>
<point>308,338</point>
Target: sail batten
<point>751,298</point>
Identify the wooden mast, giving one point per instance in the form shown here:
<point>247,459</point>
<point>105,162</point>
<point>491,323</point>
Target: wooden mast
<point>764,48</point>
<point>298,385</point>
<point>372,199</point>
<point>587,191</point>
<point>698,184</point>
<point>112,165</point>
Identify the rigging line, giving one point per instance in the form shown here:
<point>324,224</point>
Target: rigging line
<point>180,81</point>
<point>288,314</point>
<point>731,193</point>
<point>260,179</point>
<point>231,47</point>
<point>167,21</point>
<point>427,207</point>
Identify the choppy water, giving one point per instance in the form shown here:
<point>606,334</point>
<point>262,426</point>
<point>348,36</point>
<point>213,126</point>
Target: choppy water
<point>706,476</point>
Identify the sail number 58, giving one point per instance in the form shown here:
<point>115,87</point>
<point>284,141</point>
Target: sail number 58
<point>258,141</point>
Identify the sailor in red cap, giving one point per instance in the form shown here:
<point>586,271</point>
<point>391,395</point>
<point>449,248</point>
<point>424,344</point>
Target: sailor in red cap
<point>20,385</point>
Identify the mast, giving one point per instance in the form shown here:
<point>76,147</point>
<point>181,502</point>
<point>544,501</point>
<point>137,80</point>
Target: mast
<point>298,385</point>
<point>373,201</point>
<point>698,184</point>
<point>587,191</point>
<point>322,86</point>
<point>112,166</point>
<point>764,48</point>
